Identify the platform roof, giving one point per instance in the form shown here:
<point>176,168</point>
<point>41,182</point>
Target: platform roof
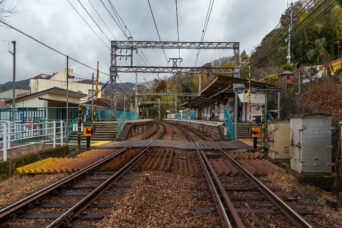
<point>221,85</point>
<point>225,84</point>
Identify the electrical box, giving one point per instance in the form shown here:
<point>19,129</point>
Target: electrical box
<point>278,133</point>
<point>310,144</point>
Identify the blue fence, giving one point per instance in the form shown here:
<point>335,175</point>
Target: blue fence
<point>39,114</point>
<point>186,115</point>
<point>229,124</point>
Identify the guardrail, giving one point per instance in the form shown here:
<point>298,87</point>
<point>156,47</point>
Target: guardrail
<point>16,135</point>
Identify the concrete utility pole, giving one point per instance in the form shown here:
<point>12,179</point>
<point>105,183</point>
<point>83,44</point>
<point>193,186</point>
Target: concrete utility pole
<point>13,82</point>
<point>67,101</point>
<point>176,103</point>
<point>199,84</point>
<point>288,57</point>
<point>158,108</point>
<point>92,97</point>
<point>136,94</point>
<point>125,102</point>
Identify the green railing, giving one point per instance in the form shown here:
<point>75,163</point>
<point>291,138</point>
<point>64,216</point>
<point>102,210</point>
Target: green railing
<point>186,115</point>
<point>229,124</point>
<point>38,114</point>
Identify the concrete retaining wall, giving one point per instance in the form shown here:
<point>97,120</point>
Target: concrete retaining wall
<point>213,130</point>
<point>8,168</point>
<point>133,129</point>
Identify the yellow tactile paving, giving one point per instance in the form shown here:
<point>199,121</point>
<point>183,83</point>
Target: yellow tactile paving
<point>62,165</point>
<point>94,143</point>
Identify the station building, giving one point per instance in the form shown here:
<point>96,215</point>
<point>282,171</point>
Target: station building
<point>220,95</point>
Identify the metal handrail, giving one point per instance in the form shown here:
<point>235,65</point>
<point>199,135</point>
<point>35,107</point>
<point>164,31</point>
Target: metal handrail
<point>121,120</point>
<point>229,124</point>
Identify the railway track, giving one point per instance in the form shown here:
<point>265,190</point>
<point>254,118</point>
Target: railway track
<point>77,197</point>
<point>242,200</point>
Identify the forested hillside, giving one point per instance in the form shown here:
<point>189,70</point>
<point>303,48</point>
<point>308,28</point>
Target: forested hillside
<point>316,38</point>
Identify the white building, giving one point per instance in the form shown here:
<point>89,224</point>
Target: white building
<point>59,80</point>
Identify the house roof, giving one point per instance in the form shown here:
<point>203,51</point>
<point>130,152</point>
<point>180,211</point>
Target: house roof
<point>55,90</point>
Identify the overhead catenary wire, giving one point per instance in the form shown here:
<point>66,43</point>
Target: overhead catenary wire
<point>205,26</point>
<point>122,26</point>
<point>50,47</point>
<point>156,27</point>
<point>56,51</point>
<point>101,18</point>
<point>91,17</point>
<point>113,17</point>
<point>85,21</point>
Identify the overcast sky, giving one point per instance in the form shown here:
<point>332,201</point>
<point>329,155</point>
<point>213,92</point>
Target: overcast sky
<point>57,24</point>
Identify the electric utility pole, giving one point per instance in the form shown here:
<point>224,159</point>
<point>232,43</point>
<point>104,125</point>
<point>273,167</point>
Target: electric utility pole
<point>92,97</point>
<point>13,82</point>
<point>136,94</point>
<point>288,57</point>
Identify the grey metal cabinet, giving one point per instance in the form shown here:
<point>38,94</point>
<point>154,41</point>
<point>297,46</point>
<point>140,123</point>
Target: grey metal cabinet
<point>310,143</point>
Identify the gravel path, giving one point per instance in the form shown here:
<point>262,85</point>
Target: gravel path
<point>17,187</point>
<point>167,201</point>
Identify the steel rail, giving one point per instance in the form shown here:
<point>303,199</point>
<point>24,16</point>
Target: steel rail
<point>208,176</point>
<point>271,196</point>
<point>74,211</point>
<point>12,208</point>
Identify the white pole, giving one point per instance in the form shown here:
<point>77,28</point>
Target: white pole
<point>62,135</point>
<point>4,143</point>
<point>9,134</point>
<point>54,134</point>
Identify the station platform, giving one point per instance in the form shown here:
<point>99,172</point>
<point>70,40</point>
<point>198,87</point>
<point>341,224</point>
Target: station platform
<point>204,122</point>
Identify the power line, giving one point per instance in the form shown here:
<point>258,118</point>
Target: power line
<point>204,30</point>
<point>99,15</point>
<point>177,26</point>
<point>49,47</point>
<point>313,15</point>
<point>87,23</point>
<point>156,27</point>
<point>119,18</point>
<point>85,9</point>
<point>115,20</point>
<point>122,26</point>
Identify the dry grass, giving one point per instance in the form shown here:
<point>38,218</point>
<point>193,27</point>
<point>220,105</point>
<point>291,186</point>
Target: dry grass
<point>17,187</point>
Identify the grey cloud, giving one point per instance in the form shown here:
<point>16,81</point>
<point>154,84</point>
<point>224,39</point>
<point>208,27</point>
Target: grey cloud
<point>55,23</point>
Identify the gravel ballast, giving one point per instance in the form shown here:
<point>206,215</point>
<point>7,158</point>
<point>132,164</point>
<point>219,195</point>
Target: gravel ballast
<point>166,201</point>
<point>17,187</point>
